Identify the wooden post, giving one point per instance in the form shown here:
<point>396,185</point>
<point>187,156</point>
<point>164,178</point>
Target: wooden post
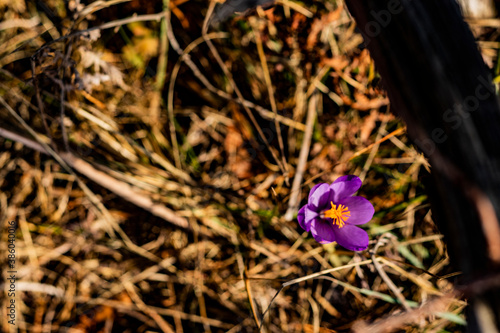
<point>439,85</point>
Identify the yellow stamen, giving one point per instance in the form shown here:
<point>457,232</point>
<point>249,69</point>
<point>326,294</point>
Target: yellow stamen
<point>338,214</point>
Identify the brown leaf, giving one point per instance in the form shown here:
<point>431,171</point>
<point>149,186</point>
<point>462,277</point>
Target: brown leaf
<point>238,158</point>
<point>337,63</point>
<point>363,103</point>
<point>319,24</point>
<point>368,125</point>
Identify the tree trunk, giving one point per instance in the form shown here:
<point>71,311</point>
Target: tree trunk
<point>439,85</point>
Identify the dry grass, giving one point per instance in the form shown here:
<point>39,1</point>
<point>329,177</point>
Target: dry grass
<point>149,167</point>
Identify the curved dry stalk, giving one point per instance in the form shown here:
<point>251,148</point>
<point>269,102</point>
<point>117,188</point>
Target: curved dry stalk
<point>229,76</point>
<point>95,7</point>
<point>267,114</point>
<point>173,76</point>
<point>108,25</point>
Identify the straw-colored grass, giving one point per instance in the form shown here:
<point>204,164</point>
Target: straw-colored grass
<point>154,166</point>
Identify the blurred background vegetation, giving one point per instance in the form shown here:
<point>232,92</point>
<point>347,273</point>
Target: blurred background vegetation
<point>148,158</point>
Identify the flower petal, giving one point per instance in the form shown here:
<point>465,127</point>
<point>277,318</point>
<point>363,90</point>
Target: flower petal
<point>343,187</point>
<point>315,187</point>
<point>310,213</point>
<point>322,231</point>
<point>360,208</point>
<point>302,219</point>
<point>306,216</point>
<point>352,238</point>
<point>319,195</point>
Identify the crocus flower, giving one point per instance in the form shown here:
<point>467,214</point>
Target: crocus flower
<point>332,213</point>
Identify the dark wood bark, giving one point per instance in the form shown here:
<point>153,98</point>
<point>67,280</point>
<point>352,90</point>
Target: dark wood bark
<point>439,85</point>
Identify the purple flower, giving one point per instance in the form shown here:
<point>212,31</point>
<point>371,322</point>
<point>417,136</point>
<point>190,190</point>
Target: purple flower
<point>332,213</point>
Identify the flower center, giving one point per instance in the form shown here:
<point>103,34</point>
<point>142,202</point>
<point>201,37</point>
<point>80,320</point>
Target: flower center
<point>339,214</point>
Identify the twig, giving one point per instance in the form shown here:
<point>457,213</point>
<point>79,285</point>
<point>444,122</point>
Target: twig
<point>184,57</point>
<point>67,159</point>
<point>109,25</point>
<point>315,311</point>
<point>293,203</point>
<point>19,138</point>
<point>391,323</point>
<point>328,271</point>
<point>124,190</point>
<point>94,7</point>
<point>250,299</point>
<point>384,275</point>
<point>269,307</point>
<point>118,187</point>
